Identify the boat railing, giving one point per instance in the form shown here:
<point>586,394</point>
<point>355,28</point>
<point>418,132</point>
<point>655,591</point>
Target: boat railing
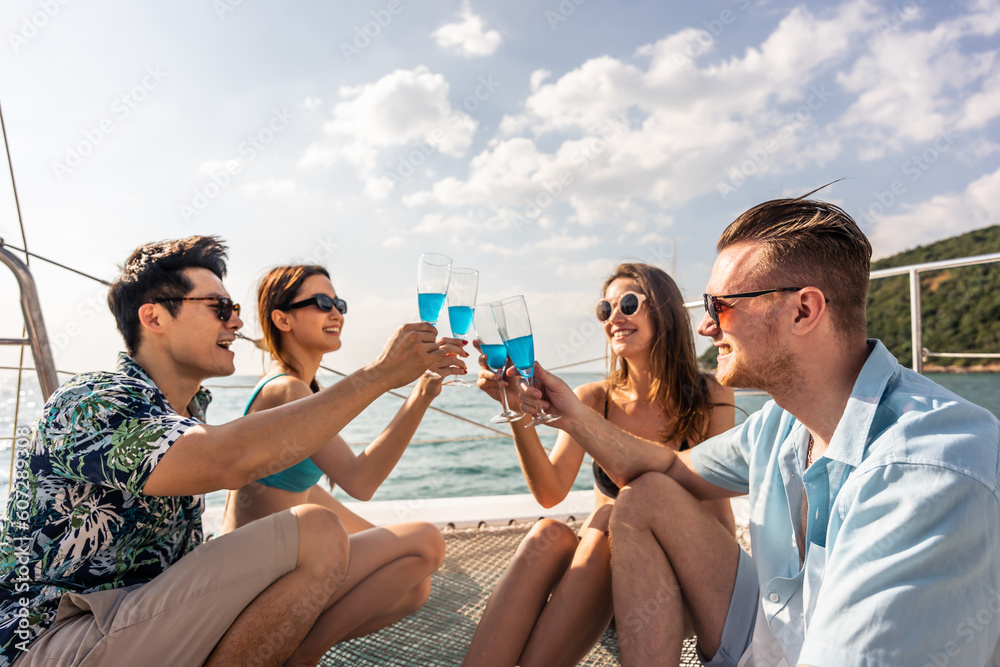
<point>34,324</point>
<point>916,329</point>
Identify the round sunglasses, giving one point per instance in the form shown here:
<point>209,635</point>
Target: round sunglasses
<point>224,304</point>
<point>324,302</point>
<point>627,304</point>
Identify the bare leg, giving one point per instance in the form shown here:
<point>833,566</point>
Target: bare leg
<point>520,594</point>
<point>580,608</point>
<point>664,560</point>
<point>278,619</point>
<point>352,522</point>
<point>387,565</point>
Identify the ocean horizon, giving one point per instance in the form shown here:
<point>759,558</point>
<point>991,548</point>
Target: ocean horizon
<point>446,458</point>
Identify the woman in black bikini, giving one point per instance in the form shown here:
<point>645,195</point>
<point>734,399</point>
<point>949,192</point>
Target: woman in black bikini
<point>554,601</point>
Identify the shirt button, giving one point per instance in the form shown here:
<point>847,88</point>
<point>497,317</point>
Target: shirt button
<point>774,597</point>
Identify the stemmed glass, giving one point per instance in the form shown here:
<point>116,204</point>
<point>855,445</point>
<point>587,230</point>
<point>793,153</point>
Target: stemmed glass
<point>492,345</point>
<point>461,298</point>
<point>433,275</point>
<point>511,315</point>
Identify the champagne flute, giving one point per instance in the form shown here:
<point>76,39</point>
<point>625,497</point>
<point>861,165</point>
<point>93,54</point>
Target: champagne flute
<point>511,315</point>
<point>495,350</point>
<point>433,275</point>
<point>461,298</point>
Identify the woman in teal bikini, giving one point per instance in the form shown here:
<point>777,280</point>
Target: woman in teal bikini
<point>390,566</point>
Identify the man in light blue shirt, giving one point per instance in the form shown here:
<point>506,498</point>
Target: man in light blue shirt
<point>874,492</point>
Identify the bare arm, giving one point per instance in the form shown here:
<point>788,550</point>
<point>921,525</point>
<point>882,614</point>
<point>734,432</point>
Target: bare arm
<point>207,458</point>
<point>360,475</point>
<point>622,455</point>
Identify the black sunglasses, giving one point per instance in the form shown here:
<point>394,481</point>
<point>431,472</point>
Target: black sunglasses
<point>712,304</point>
<point>225,304</point>
<point>628,304</point>
<point>324,302</point>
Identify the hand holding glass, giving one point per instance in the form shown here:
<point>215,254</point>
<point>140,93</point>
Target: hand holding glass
<point>461,298</point>
<point>511,315</point>
<point>433,276</point>
<point>495,350</point>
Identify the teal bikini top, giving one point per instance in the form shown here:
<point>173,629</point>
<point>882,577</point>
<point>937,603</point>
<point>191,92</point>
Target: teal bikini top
<point>300,476</point>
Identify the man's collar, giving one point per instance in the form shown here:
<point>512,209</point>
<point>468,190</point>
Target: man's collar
<point>851,436</point>
<point>196,408</point>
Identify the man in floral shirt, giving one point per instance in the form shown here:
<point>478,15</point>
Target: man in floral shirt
<point>101,561</point>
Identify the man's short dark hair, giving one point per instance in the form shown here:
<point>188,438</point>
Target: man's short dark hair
<point>155,271</point>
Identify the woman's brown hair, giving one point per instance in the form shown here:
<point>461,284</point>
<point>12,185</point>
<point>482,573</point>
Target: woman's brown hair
<point>276,292</point>
<point>677,386</point>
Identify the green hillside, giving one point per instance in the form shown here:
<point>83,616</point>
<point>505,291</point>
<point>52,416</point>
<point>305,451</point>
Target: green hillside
<point>961,307</point>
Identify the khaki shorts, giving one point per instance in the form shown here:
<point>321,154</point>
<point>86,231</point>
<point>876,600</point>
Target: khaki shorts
<point>178,617</point>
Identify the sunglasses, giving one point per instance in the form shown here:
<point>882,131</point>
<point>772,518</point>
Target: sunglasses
<point>713,305</point>
<point>324,302</point>
<point>627,303</point>
<point>224,304</point>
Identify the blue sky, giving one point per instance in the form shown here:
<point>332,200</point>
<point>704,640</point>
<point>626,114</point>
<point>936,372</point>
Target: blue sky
<point>541,142</point>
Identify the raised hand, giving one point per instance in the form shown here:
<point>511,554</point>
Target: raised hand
<point>410,351</point>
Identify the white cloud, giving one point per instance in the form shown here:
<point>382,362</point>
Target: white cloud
<point>393,242</point>
<point>566,242</point>
<point>404,118</point>
<point>911,84</point>
<point>312,103</point>
<point>939,217</point>
<point>270,188</point>
<point>632,141</point>
<point>469,36</point>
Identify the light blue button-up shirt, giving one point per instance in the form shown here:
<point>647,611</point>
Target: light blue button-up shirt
<point>902,563</point>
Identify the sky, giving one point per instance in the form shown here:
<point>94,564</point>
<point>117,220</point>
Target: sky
<point>541,142</point>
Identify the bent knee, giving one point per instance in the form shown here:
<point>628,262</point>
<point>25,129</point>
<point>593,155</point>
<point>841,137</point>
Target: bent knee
<point>323,541</point>
<point>549,537</point>
<point>430,544</point>
<point>417,596</point>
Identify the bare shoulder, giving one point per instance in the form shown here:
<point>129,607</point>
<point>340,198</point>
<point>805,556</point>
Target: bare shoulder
<point>279,391</point>
<point>592,394</point>
<point>717,392</point>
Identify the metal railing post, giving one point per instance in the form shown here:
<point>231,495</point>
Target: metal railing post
<point>916,333</point>
<point>31,308</point>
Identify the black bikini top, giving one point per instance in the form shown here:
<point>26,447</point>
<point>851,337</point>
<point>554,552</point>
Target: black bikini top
<point>604,483</point>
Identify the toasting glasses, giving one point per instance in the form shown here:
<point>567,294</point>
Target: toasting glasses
<point>461,298</point>
<point>492,345</point>
<point>433,276</point>
<point>511,315</point>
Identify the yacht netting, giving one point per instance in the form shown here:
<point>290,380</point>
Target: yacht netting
<point>439,634</point>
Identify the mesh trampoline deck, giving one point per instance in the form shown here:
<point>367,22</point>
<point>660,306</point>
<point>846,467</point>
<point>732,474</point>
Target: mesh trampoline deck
<point>439,634</point>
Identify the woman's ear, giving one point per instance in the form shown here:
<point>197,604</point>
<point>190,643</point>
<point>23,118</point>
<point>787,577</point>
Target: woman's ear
<point>280,320</point>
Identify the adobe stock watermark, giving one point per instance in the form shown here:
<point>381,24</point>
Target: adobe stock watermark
<point>761,152</point>
<point>224,7</point>
<point>914,168</point>
<point>900,15</point>
<point>121,108</point>
<point>364,33</point>
<point>20,514</point>
<point>594,147</point>
<point>968,629</point>
<point>562,12</point>
<point>407,164</point>
<point>222,178</point>
<point>32,25</point>
<point>707,38</point>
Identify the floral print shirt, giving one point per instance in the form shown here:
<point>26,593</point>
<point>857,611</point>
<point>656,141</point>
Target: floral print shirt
<point>76,517</point>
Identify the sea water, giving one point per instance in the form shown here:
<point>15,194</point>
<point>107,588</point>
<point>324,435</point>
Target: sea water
<point>447,457</point>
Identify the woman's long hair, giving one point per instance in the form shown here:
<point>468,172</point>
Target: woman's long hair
<point>276,292</point>
<point>677,385</point>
